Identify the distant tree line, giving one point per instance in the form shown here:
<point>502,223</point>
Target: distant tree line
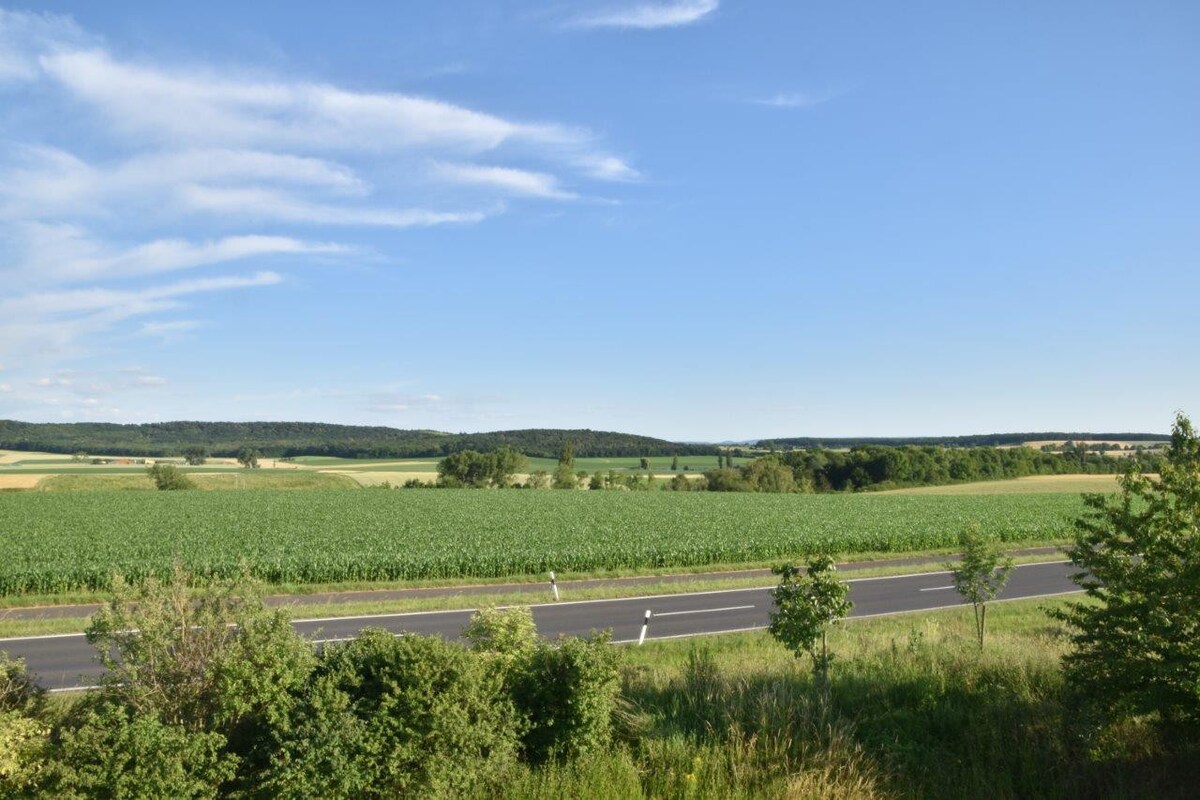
<point>285,439</point>
<point>975,440</point>
<point>877,467</point>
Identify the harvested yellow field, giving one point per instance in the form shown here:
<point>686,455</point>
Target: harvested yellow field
<point>20,481</point>
<point>1036,484</point>
<point>377,478</point>
<point>13,456</point>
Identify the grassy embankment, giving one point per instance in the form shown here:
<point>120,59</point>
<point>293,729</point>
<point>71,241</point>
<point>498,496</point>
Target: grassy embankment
<point>915,711</point>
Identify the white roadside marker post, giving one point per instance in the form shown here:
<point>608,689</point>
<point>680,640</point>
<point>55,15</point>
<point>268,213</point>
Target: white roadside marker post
<point>553,586</point>
<point>645,625</point>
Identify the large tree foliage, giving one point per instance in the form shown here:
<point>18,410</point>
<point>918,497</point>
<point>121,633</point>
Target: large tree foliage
<point>1137,645</point>
<point>469,468</point>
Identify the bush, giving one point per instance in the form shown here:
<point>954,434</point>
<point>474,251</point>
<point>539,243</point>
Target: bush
<point>168,477</point>
<point>113,751</point>
<point>567,693</point>
<point>394,716</point>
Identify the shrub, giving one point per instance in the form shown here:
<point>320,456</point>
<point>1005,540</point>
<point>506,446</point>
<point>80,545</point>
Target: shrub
<point>168,477</point>
<point>113,751</point>
<point>390,716</point>
<point>567,693</point>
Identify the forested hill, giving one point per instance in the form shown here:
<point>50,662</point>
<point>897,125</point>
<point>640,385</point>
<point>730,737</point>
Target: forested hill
<point>975,440</point>
<point>313,438</point>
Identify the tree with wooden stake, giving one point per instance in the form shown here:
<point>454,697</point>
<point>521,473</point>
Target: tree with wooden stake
<point>806,603</point>
<point>981,575</point>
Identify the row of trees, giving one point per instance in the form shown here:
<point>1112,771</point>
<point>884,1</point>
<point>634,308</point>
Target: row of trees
<point>891,467</point>
<point>208,693</point>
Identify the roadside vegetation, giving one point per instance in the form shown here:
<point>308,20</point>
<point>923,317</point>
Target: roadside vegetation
<point>210,694</point>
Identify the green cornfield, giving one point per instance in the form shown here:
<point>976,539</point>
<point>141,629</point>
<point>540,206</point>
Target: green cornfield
<point>62,542</point>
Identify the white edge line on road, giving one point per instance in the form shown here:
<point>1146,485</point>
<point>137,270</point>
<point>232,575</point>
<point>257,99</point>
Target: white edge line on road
<point>960,604</point>
<point>700,611</point>
<point>848,619</point>
<point>692,635</point>
<point>935,588</point>
<point>947,572</point>
<point>555,605</point>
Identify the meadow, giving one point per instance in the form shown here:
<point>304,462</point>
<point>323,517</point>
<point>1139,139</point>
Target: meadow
<point>57,542</point>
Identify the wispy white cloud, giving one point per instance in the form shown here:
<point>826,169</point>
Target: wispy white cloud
<point>203,167</point>
<point>167,330</point>
<point>275,205</point>
<point>792,100</point>
<point>511,181</point>
<point>53,323</point>
<point>66,253</point>
<point>648,16</point>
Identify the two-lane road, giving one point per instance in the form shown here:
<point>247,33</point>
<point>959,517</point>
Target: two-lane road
<point>67,661</point>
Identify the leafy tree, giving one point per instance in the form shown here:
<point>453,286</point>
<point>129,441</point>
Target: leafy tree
<point>248,457</point>
<point>597,481</point>
<point>981,574</point>
<point>806,603</point>
<point>195,455</point>
<point>564,478</point>
<point>644,463</point>
<point>567,458</point>
<point>1137,645</point>
<point>168,477</point>
<point>675,464</point>
<point>466,468</point>
<point>769,475</point>
<point>538,479</point>
<point>507,462</point>
<point>720,461</point>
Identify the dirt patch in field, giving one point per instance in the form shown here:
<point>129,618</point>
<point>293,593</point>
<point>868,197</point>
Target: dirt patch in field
<point>20,481</point>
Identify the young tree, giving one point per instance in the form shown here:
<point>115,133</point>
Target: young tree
<point>564,478</point>
<point>806,603</point>
<point>195,455</point>
<point>981,575</point>
<point>248,457</point>
<point>644,463</point>
<point>168,477</point>
<point>675,464</point>
<point>720,461</point>
<point>567,459</point>
<point>1137,645</point>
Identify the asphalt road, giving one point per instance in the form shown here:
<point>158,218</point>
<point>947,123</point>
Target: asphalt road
<point>66,661</point>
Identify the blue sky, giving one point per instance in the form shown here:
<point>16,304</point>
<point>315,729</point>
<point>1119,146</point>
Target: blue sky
<point>693,219</point>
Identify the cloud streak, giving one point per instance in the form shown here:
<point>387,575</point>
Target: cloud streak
<point>649,16</point>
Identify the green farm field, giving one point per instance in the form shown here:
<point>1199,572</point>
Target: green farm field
<point>58,542</point>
